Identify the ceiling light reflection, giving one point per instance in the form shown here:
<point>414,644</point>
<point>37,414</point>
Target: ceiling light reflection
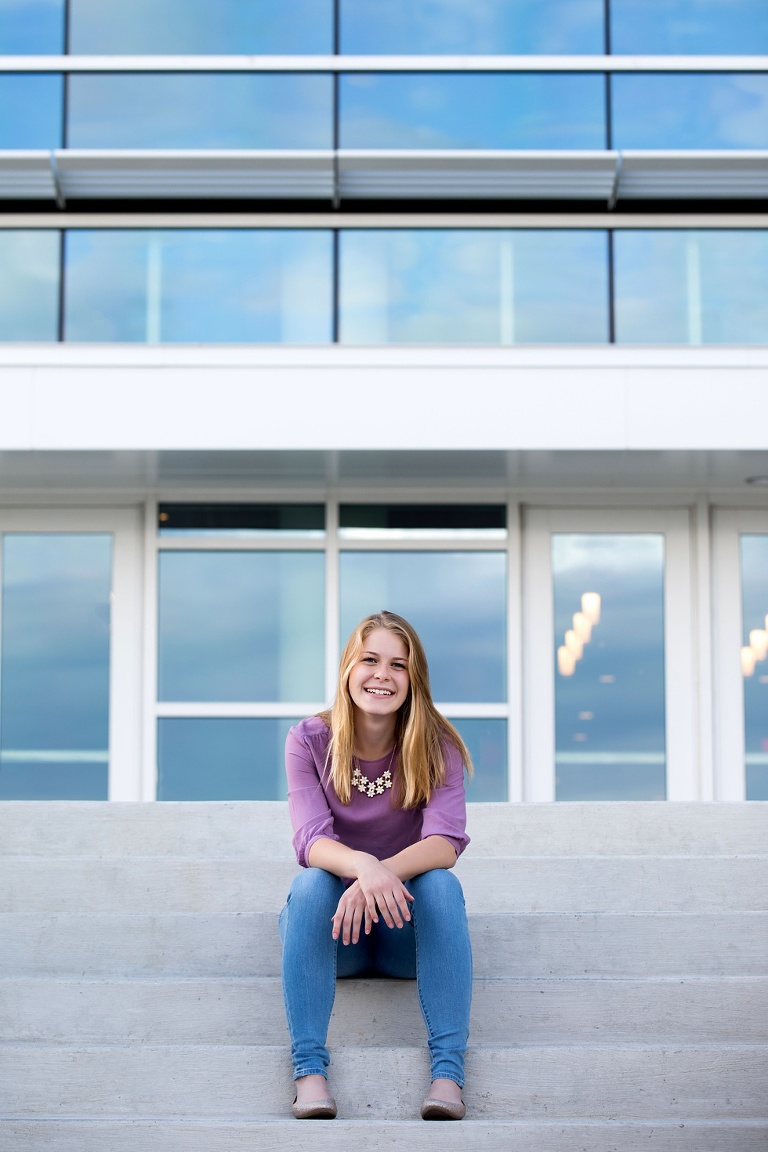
<point>748,661</point>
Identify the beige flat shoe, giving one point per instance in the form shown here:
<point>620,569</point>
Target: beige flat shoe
<point>323,1109</point>
<point>433,1109</point>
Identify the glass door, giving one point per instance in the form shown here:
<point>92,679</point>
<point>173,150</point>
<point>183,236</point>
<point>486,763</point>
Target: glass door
<point>69,658</point>
<point>609,677</point>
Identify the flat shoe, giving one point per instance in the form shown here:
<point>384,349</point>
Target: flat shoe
<point>323,1109</point>
<point>433,1109</point>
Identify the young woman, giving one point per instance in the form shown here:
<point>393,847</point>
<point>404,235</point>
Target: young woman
<point>376,797</point>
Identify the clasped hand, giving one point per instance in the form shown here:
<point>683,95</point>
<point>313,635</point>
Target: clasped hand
<point>377,891</point>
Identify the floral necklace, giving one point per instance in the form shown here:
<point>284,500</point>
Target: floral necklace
<point>372,787</point>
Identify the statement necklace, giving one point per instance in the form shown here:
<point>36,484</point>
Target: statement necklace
<point>372,787</point>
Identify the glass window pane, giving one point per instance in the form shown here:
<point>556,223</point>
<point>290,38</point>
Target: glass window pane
<point>165,27</point>
<point>241,519</point>
<point>754,603</point>
<point>475,287</point>
<point>456,601</point>
<point>438,521</point>
<point>201,758</point>
<point>691,287</point>
<point>487,743</point>
<point>695,27</point>
<point>30,111</point>
<point>34,27</point>
<point>29,285</point>
<point>241,626</point>
<point>200,110</point>
<point>213,286</point>
<point>690,111</point>
<point>469,110</point>
<point>609,696</point>
<point>515,27</point>
<point>54,703</point>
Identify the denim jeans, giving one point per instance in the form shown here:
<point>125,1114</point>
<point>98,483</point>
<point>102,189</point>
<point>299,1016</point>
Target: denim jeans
<point>433,947</point>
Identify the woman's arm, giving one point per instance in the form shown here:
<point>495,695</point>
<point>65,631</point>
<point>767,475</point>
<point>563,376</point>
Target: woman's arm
<point>378,886</point>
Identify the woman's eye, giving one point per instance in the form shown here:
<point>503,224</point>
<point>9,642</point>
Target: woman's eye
<point>399,667</point>
<point>368,660</point>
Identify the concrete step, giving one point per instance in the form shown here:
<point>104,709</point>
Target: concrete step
<point>384,1012</point>
<point>524,946</point>
<point>504,884</point>
<point>262,829</point>
<point>596,1082</point>
<point>284,1135</point>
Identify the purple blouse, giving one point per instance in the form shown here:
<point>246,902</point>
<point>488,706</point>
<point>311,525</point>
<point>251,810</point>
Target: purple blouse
<point>367,823</point>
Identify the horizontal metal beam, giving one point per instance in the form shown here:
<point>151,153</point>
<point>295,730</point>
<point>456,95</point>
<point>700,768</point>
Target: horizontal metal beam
<point>327,63</point>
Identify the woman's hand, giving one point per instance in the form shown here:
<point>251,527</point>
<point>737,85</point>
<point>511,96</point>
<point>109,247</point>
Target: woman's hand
<point>376,891</point>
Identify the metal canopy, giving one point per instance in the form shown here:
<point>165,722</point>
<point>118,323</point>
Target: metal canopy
<point>383,174</point>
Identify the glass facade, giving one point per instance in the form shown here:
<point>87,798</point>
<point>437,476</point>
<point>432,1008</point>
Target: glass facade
<point>54,671</point>
<point>204,758</point>
<point>393,286</point>
<point>439,287</point>
<point>754,662</point>
<point>694,110</point>
<point>241,626</point>
<point>691,287</point>
<point>29,285</point>
<point>692,27</point>
<point>460,27</point>
<point>31,110</point>
<point>200,110</point>
<point>199,286</point>
<point>609,660</point>
<point>472,110</point>
<point>196,27</point>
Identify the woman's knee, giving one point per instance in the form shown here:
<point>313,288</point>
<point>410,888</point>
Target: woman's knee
<point>315,889</point>
<point>438,887</point>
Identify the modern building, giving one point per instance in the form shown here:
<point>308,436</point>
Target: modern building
<point>458,309</point>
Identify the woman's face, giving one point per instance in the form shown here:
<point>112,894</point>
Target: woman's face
<point>379,680</point>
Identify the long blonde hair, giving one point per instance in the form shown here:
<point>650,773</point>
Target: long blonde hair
<point>420,730</point>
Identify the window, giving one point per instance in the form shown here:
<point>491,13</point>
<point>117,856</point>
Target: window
<point>29,285</point>
<point>30,110</point>
<point>696,27</point>
<point>34,27</point>
<point>694,110</point>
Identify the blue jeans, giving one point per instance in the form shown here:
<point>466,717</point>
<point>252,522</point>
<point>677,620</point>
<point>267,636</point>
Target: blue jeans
<point>433,947</point>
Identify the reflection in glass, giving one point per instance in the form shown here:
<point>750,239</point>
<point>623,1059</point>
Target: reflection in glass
<point>468,27</point>
<point>200,110</point>
<point>609,699</point>
<point>692,110</point>
<point>693,27</point>
<point>165,27</point>
<point>199,286</point>
<point>754,604</point>
<point>691,287</point>
<point>241,519</point>
<point>241,626</point>
<point>54,698</point>
<point>34,27</point>
<point>486,740</point>
<point>471,110</point>
<point>473,287</point>
<point>201,758</point>
<point>455,601</point>
<point>30,110</point>
<point>29,285</point>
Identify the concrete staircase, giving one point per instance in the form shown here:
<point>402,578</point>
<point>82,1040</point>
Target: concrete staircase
<point>620,1003</point>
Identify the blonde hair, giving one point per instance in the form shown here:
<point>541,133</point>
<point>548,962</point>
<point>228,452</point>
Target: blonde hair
<point>420,730</point>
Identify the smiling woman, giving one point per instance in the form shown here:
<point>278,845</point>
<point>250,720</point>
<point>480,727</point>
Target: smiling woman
<point>376,797</point>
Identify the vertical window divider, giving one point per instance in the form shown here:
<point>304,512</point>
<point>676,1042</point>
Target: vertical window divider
<point>335,325</point>
<point>514,654</point>
<point>149,772</point>
<point>702,641</point>
<point>62,291</point>
<point>332,596</point>
<point>611,291</point>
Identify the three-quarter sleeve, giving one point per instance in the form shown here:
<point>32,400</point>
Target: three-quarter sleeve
<point>446,812</point>
<point>310,814</point>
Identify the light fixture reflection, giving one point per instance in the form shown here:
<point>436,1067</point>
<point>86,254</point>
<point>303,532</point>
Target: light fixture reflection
<point>758,642</point>
<point>574,645</point>
<point>566,661</point>
<point>582,626</point>
<point>748,661</point>
<point>590,606</point>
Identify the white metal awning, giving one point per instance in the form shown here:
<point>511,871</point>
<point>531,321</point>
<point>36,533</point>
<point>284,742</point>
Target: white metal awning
<point>383,174</point>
